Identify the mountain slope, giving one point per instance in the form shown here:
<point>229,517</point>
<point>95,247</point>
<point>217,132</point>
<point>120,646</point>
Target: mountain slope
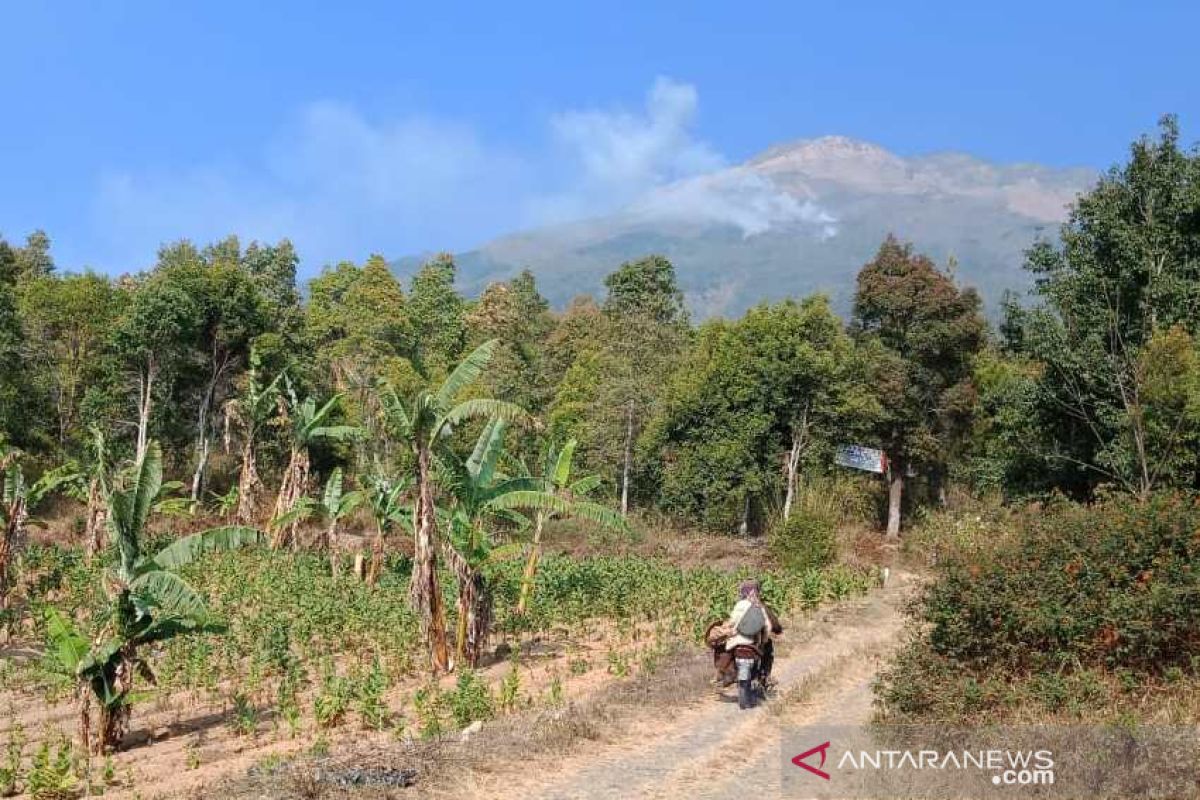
<point>799,218</point>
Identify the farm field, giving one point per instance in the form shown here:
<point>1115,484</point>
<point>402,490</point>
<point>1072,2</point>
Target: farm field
<point>310,663</point>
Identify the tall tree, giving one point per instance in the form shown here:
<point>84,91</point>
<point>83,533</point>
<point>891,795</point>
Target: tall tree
<point>772,388</point>
<point>357,324</point>
<point>34,259</point>
<point>515,313</point>
<point>925,330</point>
<point>1126,273</point>
<point>438,314</point>
<point>273,268</point>
<point>12,363</point>
<point>616,378</point>
<point>230,316</point>
<point>152,340</point>
<point>66,322</point>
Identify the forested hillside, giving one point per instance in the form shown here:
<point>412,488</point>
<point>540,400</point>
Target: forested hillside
<point>399,452</point>
<point>1089,381</point>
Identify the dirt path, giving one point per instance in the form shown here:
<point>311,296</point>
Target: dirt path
<point>710,749</point>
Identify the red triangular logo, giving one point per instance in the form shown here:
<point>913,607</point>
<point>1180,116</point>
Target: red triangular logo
<point>799,760</point>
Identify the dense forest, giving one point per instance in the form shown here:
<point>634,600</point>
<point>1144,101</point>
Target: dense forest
<point>1089,382</point>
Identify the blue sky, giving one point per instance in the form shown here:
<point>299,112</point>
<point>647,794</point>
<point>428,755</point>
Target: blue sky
<point>404,127</point>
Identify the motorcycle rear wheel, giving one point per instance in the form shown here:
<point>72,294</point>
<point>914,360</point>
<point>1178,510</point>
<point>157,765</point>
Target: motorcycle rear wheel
<point>746,693</point>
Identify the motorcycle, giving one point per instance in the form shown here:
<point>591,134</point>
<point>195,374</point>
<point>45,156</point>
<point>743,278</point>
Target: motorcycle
<point>742,665</point>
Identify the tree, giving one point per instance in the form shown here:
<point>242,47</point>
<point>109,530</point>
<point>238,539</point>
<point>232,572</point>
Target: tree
<point>515,313</point>
<point>1126,274</point>
<point>646,288</point>
<point>34,259</point>
<point>273,269</point>
<point>147,602</point>
<point>152,341</point>
<point>229,316</point>
<point>923,332</point>
<point>66,322</point>
<point>618,373</point>
<point>437,312</point>
<point>476,489</point>
<point>421,423</point>
<point>12,364</point>
<point>751,401</point>
<point>357,325</point>
<point>306,425</point>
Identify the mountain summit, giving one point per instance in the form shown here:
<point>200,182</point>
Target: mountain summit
<point>798,218</point>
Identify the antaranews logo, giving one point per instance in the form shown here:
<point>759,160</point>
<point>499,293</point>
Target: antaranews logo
<point>1009,767</point>
<point>822,749</point>
<point>883,762</point>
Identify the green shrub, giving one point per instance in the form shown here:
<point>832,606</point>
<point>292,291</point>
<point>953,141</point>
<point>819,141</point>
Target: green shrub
<point>10,772</point>
<point>429,703</point>
<point>333,699</point>
<point>369,689</point>
<point>52,772</point>
<point>471,700</point>
<point>804,541</point>
<point>1073,599</point>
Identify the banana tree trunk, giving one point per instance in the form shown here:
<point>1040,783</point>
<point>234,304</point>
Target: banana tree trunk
<point>331,542</point>
<point>291,489</point>
<point>97,520</point>
<point>424,591</point>
<point>376,567</point>
<point>248,485</point>
<point>531,565</point>
<point>474,608</point>
<point>13,528</point>
<point>114,716</point>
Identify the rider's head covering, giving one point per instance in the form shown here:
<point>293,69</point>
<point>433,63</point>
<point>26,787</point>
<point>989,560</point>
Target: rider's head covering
<point>750,590</point>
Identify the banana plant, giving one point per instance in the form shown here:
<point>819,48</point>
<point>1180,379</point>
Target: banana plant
<point>335,505</point>
<point>147,602</point>
<point>94,495</point>
<point>225,504</point>
<point>484,498</point>
<point>388,509</point>
<point>557,479</point>
<point>307,424</point>
<point>250,413</point>
<point>423,422</point>
<point>17,501</point>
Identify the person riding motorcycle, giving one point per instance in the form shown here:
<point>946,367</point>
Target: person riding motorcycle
<point>752,623</point>
<point>750,596</point>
